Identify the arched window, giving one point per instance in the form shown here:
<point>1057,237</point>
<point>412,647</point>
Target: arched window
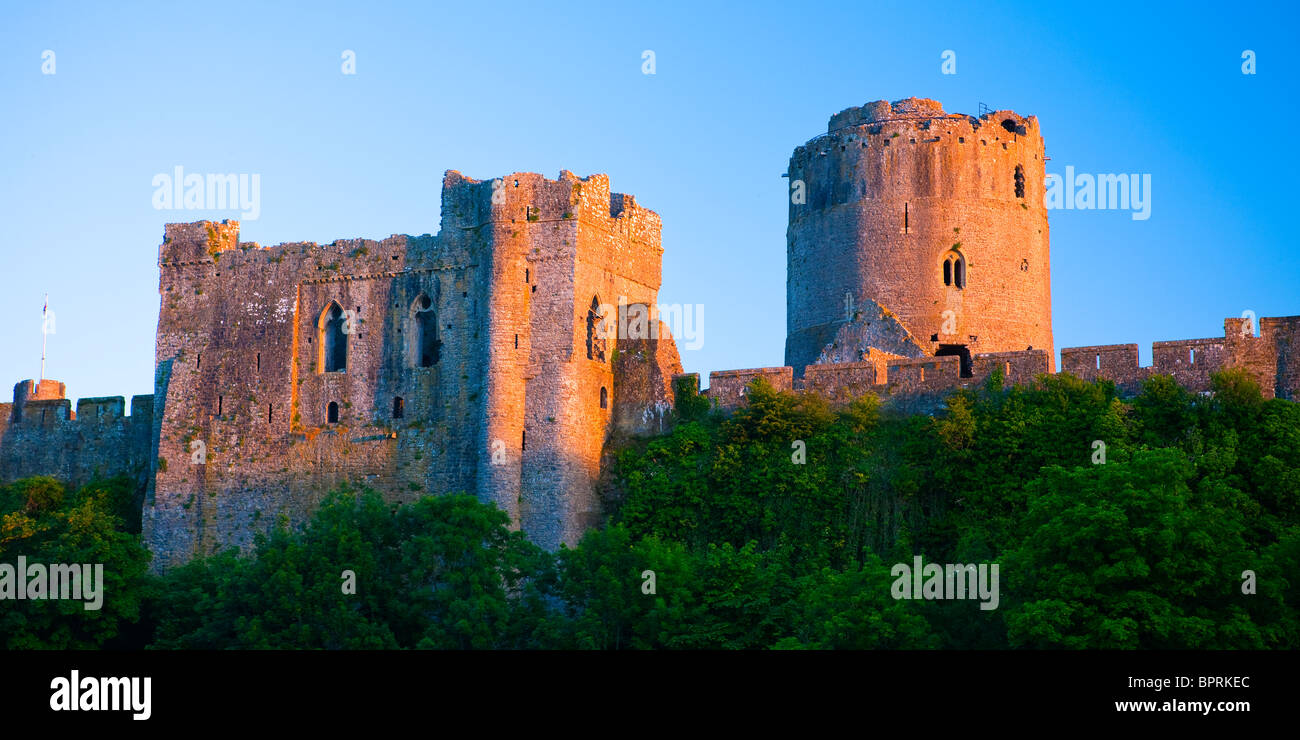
<point>333,340</point>
<point>1020,181</point>
<point>954,269</point>
<point>332,413</point>
<point>604,397</point>
<point>399,407</point>
<point>425,345</point>
<point>595,332</point>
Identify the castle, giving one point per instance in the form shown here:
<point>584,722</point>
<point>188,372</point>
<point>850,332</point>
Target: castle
<point>481,359</point>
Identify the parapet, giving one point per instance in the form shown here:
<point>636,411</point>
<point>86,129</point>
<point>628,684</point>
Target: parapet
<point>1270,358</point>
<point>1117,362</point>
<point>529,197</point>
<point>883,110</point>
<point>922,111</point>
<point>45,413</point>
<point>43,394</point>
<point>915,375</point>
<point>100,410</point>
<point>45,402</point>
<point>199,241</point>
<point>845,380</point>
<point>727,387</point>
<point>142,406</point>
<point>686,383</point>
<point>882,374</point>
<point>1018,368</point>
<point>39,390</point>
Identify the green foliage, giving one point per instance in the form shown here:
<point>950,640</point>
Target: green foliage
<point>1125,555</point>
<point>688,404</point>
<point>444,572</point>
<point>46,524</point>
<point>1145,550</point>
<point>774,527</point>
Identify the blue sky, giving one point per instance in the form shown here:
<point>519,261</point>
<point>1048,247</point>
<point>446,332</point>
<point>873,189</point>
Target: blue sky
<point>495,87</point>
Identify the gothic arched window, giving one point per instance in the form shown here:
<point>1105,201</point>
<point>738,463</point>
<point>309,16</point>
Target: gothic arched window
<point>954,269</point>
<point>425,345</point>
<point>334,339</point>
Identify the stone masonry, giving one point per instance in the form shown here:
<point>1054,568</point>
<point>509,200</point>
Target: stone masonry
<point>465,361</point>
<point>936,219</point>
<point>486,358</point>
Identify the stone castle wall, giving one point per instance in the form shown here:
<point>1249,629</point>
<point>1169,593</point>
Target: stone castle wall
<point>1272,358</point>
<point>513,410</point>
<point>470,361</point>
<point>40,434</point>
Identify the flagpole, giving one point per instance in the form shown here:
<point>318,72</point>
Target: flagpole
<point>45,333</point>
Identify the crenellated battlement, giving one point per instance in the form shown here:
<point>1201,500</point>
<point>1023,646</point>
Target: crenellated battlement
<point>1273,358</point>
<point>472,359</point>
<point>1270,357</point>
<point>41,434</point>
<point>882,375</point>
<point>523,198</point>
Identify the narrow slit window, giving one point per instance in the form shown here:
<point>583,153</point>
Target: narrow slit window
<point>595,340</point>
<point>1020,181</point>
<point>604,397</point>
<point>947,272</point>
<point>332,413</point>
<point>399,407</point>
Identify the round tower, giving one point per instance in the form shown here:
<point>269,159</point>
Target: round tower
<point>938,218</point>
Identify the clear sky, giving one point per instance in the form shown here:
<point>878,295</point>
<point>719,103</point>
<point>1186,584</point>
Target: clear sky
<point>494,87</point>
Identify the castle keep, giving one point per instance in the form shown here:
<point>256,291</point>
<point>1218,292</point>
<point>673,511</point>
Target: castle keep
<point>919,234</point>
<point>467,361</point>
<point>479,359</point>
